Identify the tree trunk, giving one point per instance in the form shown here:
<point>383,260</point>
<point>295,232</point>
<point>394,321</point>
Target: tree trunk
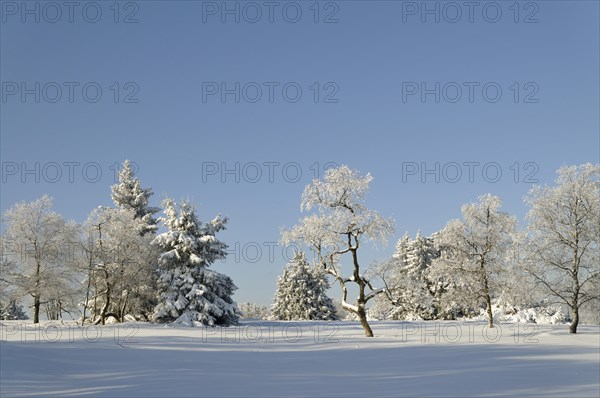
<point>486,293</point>
<point>87,290</point>
<point>97,293</point>
<point>103,313</point>
<point>362,315</point>
<point>576,286</point>
<point>36,300</point>
<point>106,305</point>
<point>488,303</point>
<point>60,310</point>
<point>124,306</point>
<point>573,325</point>
<point>36,309</point>
<point>95,312</point>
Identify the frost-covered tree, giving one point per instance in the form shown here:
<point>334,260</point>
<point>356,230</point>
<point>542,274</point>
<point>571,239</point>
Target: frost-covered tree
<point>253,311</point>
<point>189,292</point>
<point>12,312</point>
<point>120,262</point>
<point>420,288</point>
<point>128,194</point>
<point>7,267</point>
<point>340,224</point>
<point>62,293</point>
<point>302,293</point>
<point>41,242</point>
<point>448,292</point>
<point>477,251</point>
<point>393,275</point>
<point>564,234</point>
<point>405,275</point>
<point>402,249</point>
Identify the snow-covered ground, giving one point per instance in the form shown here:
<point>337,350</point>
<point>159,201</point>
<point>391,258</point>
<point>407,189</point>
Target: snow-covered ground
<point>274,359</point>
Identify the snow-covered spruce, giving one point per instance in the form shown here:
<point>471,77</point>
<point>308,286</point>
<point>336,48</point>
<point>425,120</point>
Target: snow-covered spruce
<point>301,293</point>
<point>407,279</point>
<point>128,194</point>
<point>12,311</point>
<point>190,293</point>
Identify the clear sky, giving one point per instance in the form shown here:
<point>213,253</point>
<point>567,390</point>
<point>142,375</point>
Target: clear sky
<point>378,85</point>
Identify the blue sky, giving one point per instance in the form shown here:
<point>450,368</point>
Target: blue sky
<point>364,61</point>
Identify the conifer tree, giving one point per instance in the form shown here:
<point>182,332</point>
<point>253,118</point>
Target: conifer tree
<point>189,292</point>
<point>129,194</point>
<point>12,312</point>
<point>301,293</point>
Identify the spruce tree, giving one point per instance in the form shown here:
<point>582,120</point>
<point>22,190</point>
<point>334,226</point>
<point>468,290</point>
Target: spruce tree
<point>190,293</point>
<point>407,279</point>
<point>301,293</point>
<point>129,194</point>
<point>12,312</point>
<point>419,288</point>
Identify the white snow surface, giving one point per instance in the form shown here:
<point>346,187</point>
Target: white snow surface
<point>294,359</point>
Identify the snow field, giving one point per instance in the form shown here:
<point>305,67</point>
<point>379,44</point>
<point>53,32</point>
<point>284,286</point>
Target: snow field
<point>274,358</point>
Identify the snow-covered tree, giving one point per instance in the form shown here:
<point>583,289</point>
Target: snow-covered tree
<point>448,292</point>
<point>12,312</point>
<point>405,275</point>
<point>420,288</point>
<point>302,293</point>
<point>253,311</point>
<point>120,262</point>
<point>128,194</point>
<point>402,249</point>
<point>340,224</point>
<point>41,240</point>
<point>62,293</point>
<point>7,268</point>
<point>563,252</point>
<point>189,292</point>
<point>390,272</point>
<point>477,251</point>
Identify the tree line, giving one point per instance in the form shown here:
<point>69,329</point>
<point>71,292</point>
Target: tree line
<point>116,264</point>
<point>474,263</point>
